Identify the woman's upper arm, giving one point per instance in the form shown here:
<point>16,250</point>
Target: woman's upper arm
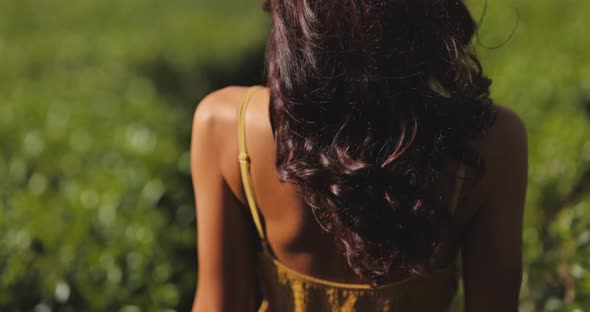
<point>225,250</point>
<point>492,251</point>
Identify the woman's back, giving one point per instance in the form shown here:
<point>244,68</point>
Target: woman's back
<point>293,233</point>
<point>286,289</point>
<point>352,163</point>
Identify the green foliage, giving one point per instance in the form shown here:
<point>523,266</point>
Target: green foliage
<point>543,73</point>
<point>96,208</point>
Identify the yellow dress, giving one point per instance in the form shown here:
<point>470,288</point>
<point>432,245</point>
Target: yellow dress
<point>285,290</point>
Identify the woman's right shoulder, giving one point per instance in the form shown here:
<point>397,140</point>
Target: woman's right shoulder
<point>491,250</point>
<point>504,149</point>
<point>508,127</point>
<point>506,139</point>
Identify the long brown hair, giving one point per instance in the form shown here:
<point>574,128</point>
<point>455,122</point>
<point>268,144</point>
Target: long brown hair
<point>369,99</point>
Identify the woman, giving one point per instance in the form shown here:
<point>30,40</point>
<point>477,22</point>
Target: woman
<point>376,155</point>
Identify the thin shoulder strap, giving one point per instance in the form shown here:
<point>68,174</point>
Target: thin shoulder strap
<point>460,178</point>
<point>244,159</point>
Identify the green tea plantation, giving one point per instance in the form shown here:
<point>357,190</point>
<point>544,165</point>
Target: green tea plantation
<point>96,102</point>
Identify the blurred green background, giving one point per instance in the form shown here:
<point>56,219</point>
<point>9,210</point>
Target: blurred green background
<point>96,101</point>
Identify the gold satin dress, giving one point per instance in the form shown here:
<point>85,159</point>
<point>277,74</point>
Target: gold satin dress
<point>285,290</point>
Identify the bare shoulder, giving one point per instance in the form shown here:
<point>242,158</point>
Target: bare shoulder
<point>214,141</point>
<point>507,138</point>
<point>218,109</point>
<point>492,247</point>
<point>214,130</point>
<point>504,150</point>
<point>508,128</point>
<point>215,119</point>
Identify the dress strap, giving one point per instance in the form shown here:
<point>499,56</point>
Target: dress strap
<point>244,160</point>
<point>460,178</point>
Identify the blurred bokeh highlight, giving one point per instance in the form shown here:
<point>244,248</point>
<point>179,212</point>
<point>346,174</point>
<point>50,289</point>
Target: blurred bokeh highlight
<point>96,102</point>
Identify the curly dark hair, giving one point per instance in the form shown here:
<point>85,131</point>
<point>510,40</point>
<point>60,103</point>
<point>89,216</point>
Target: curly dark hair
<point>369,101</point>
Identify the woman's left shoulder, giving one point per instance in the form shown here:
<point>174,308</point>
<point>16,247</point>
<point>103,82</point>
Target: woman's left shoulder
<point>219,107</point>
<point>216,116</point>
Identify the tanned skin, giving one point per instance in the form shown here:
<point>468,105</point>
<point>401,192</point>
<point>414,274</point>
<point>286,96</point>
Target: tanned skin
<point>492,211</point>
